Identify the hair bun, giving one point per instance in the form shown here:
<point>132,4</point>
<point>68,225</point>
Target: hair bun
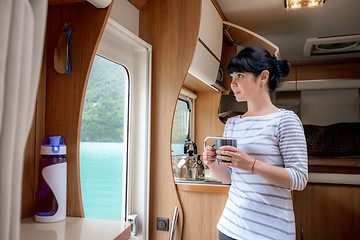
<point>284,68</point>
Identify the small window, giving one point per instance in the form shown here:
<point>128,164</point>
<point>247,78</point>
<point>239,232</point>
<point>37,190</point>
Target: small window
<point>181,127</point>
<point>103,142</point>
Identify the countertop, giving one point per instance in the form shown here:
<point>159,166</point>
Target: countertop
<point>73,228</point>
<point>202,186</point>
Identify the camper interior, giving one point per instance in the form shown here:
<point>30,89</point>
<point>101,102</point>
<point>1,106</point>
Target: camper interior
<point>135,87</point>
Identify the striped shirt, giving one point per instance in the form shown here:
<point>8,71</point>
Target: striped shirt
<point>256,208</point>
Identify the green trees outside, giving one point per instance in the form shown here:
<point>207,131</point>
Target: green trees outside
<point>104,105</point>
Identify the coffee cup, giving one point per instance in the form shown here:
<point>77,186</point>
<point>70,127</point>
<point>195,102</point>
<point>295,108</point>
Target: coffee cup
<point>221,141</point>
<point>224,142</point>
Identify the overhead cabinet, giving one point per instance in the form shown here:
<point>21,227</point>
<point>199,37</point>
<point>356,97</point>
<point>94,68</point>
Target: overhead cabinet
<point>243,37</point>
<point>205,64</point>
<point>323,75</point>
<point>211,29</point>
<point>206,60</point>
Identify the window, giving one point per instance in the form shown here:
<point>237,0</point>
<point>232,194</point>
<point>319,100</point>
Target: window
<point>182,131</point>
<point>180,127</point>
<point>102,149</point>
<point>128,59</point>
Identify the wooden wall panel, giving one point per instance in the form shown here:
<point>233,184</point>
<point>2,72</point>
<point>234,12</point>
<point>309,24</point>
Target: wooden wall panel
<point>28,192</point>
<point>32,150</point>
<point>171,27</point>
<point>327,211</point>
<point>207,122</point>
<point>202,212</point>
<point>138,3</point>
<point>340,69</point>
<point>57,2</point>
<point>227,53</point>
<point>292,74</point>
<point>65,92</point>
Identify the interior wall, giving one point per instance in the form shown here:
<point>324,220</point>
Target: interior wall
<point>171,27</point>
<point>126,15</point>
<point>59,99</point>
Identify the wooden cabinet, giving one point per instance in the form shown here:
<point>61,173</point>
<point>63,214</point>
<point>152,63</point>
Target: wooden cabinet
<point>327,211</point>
<point>342,69</point>
<point>204,205</point>
<point>211,28</point>
<point>206,60</point>
<point>209,54</point>
<point>204,66</point>
<point>312,75</point>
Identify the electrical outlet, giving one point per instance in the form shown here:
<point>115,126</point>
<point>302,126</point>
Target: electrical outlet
<point>162,224</point>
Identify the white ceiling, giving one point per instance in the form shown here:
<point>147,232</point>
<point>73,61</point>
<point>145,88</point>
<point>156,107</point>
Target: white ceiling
<point>288,29</point>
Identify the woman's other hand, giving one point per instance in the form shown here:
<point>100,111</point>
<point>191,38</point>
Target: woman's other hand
<point>209,155</point>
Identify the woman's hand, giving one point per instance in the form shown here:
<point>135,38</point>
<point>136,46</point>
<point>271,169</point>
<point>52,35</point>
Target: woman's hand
<point>209,156</point>
<point>221,172</point>
<point>238,158</point>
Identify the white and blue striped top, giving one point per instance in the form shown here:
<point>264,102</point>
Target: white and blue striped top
<point>256,208</point>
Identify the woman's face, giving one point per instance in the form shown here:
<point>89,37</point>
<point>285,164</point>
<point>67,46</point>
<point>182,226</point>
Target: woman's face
<point>244,85</point>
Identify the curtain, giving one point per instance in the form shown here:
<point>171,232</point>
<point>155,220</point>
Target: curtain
<point>21,49</point>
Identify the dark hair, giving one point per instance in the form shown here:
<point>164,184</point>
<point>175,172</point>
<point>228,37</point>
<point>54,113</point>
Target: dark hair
<point>256,60</point>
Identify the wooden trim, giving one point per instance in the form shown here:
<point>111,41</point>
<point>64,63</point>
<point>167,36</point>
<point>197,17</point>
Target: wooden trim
<point>337,162</point>
<point>28,189</point>
<point>33,145</point>
<point>247,38</point>
<point>65,92</point>
<point>58,2</point>
<point>203,211</point>
<point>195,84</point>
<point>328,71</point>
<point>334,165</point>
<point>124,235</point>
<point>227,53</point>
<point>172,28</point>
<point>327,211</point>
<point>325,62</point>
<point>185,187</point>
<point>207,122</point>
<point>292,74</point>
<point>216,5</point>
<point>138,3</point>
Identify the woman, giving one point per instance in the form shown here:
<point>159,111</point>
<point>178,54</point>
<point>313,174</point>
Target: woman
<point>271,155</point>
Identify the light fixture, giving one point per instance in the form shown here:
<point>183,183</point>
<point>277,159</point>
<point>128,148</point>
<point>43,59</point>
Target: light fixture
<point>295,4</point>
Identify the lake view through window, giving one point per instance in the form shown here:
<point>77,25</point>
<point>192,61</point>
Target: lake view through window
<point>102,141</point>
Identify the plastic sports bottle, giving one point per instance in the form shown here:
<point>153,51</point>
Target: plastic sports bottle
<point>50,203</point>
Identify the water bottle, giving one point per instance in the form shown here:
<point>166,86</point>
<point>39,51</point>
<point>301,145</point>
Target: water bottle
<point>50,202</point>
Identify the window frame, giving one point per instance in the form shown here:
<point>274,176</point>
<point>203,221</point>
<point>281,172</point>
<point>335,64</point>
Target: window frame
<point>189,97</point>
<point>188,107</point>
<point>127,49</point>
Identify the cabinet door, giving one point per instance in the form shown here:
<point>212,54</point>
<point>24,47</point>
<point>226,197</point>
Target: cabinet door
<point>327,211</point>
<point>204,66</point>
<point>211,28</point>
<point>347,70</point>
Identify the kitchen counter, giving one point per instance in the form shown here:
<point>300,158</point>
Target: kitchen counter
<point>321,170</point>
<point>202,186</point>
<point>73,228</point>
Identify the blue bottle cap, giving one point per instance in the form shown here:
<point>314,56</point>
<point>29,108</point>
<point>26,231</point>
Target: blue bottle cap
<point>53,145</point>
